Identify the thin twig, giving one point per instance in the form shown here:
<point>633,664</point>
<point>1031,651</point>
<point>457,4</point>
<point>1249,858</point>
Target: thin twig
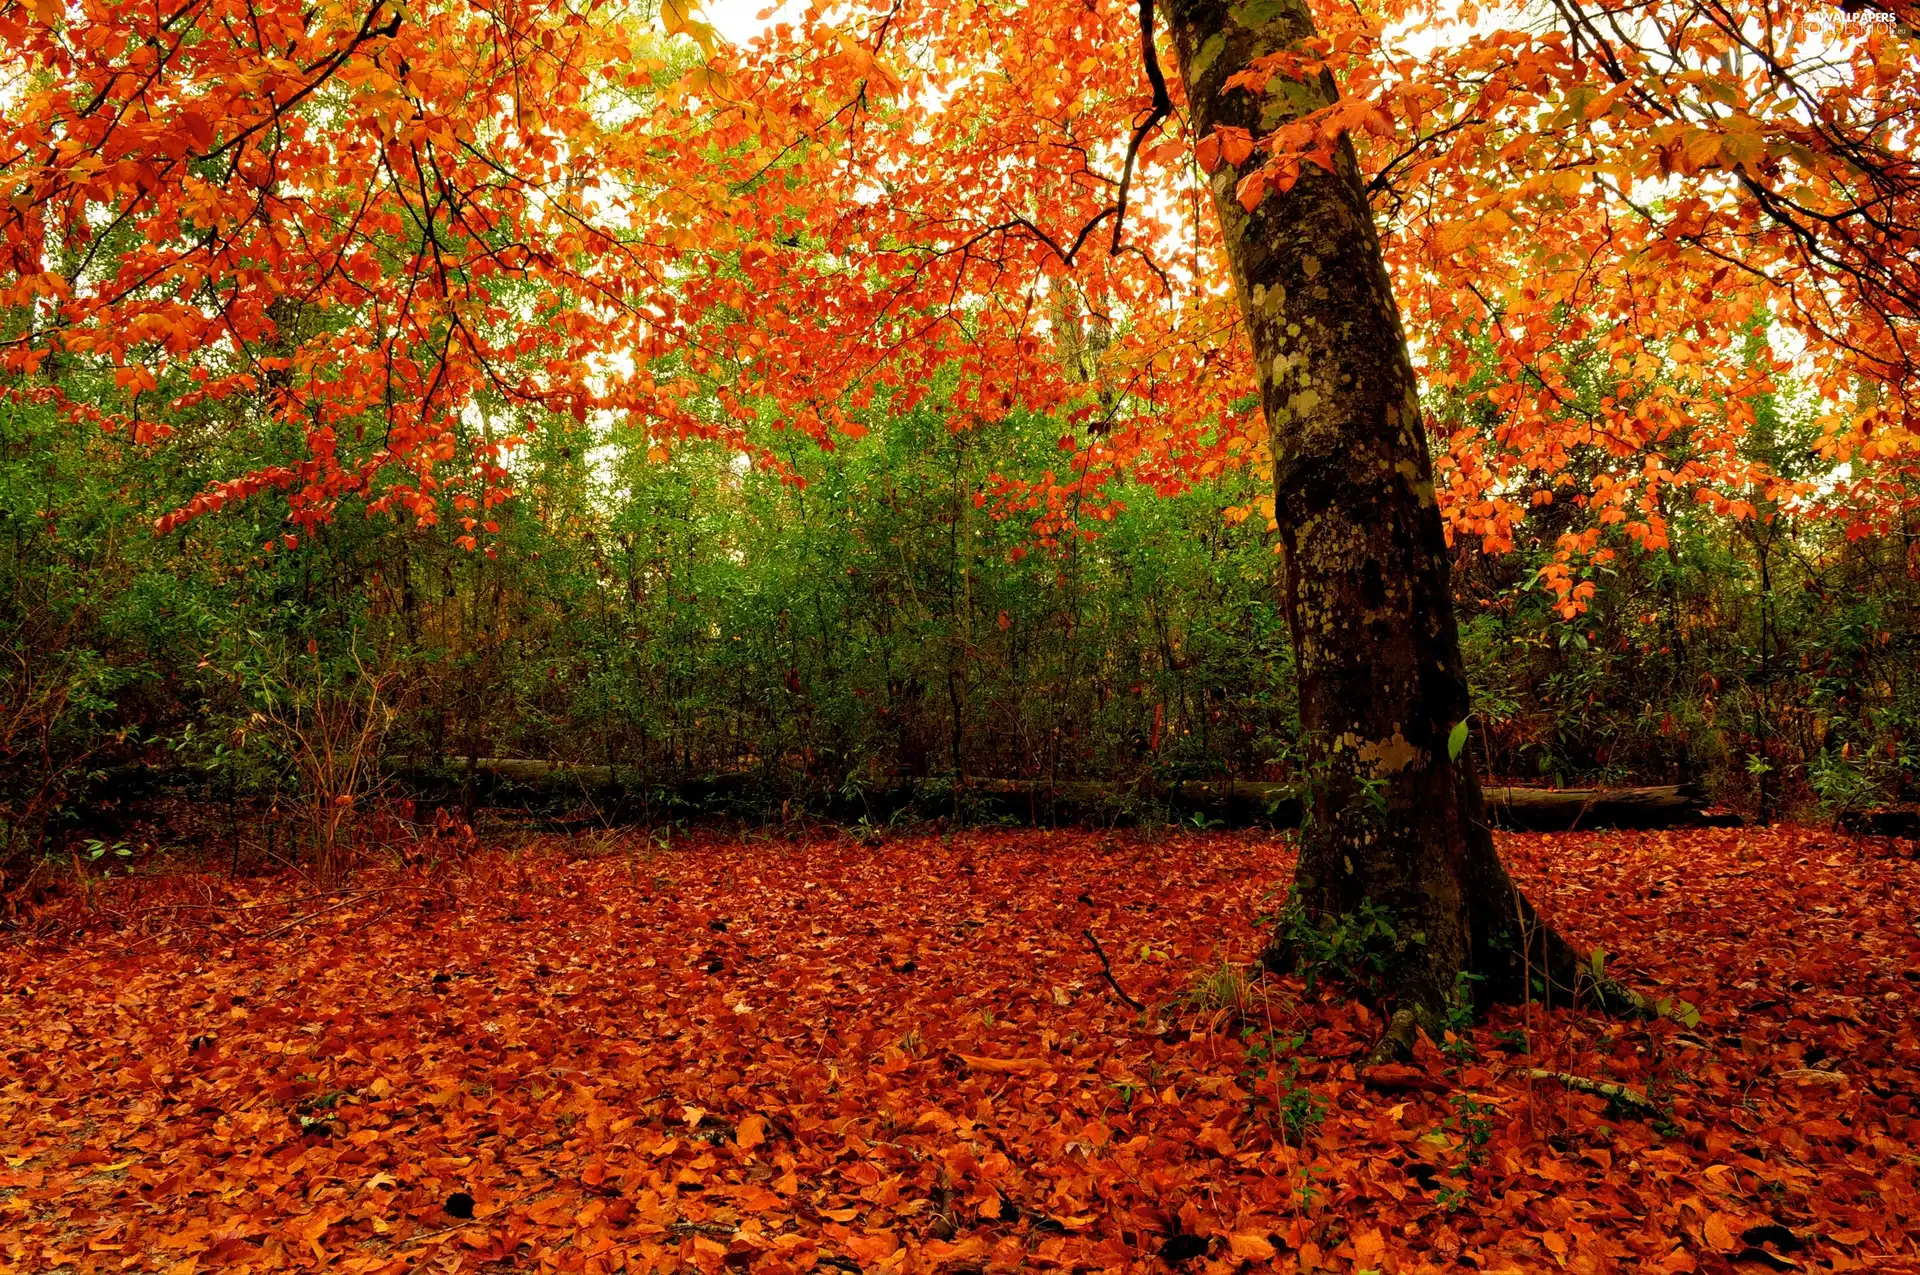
<point>1106,968</point>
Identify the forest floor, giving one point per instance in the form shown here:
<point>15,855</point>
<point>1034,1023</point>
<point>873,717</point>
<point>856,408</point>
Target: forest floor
<point>905,1058</point>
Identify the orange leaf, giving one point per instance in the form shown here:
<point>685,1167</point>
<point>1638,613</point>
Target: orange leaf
<point>1252,189</point>
<point>757,1199</point>
<point>1251,1246</point>
<point>1003,1066</point>
<point>872,1247</point>
<point>751,1133</point>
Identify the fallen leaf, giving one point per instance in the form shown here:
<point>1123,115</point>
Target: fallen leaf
<point>1250,1246</point>
<point>1003,1066</point>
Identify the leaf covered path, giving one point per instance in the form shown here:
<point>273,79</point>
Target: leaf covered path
<point>775,1057</point>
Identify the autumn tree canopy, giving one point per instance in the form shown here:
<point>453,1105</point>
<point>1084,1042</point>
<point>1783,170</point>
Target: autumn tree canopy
<point>1610,230</point>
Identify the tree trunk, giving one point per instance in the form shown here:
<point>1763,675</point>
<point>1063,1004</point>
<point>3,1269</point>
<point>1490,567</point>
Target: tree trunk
<point>1398,824</point>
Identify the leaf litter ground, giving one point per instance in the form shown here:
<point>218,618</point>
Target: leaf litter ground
<point>777,1057</point>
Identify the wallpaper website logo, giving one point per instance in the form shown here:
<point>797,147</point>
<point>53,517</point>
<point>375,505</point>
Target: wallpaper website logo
<point>1855,20</point>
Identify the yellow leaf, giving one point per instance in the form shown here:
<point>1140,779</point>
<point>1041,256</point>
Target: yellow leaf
<point>1742,147</point>
<point>1701,146</point>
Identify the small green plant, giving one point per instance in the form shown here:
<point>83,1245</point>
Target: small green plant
<point>1356,948</point>
<point>1306,1187</point>
<point>1473,1121</point>
<point>1456,1043</point>
<point>1300,1109</point>
<point>1266,1047</point>
<point>1225,991</point>
<point>1843,782</point>
<point>98,850</point>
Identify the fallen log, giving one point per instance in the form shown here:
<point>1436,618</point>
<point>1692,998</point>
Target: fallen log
<point>1241,803</point>
<point>520,775</point>
<point>617,795</point>
<point>1567,809</point>
<point>1231,802</point>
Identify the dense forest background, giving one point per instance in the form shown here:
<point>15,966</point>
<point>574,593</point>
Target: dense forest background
<point>881,613</point>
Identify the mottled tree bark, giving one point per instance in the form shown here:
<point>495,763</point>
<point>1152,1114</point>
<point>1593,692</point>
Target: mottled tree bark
<point>1397,823</point>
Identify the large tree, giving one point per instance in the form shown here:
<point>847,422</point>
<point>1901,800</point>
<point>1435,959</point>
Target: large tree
<point>1397,821</point>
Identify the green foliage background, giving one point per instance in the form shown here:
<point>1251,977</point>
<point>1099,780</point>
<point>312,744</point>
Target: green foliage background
<point>696,617</point>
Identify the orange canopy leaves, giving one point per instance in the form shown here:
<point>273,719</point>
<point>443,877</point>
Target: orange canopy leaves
<point>409,235</point>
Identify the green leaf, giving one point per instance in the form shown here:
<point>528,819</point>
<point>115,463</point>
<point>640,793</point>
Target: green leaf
<point>1456,740</point>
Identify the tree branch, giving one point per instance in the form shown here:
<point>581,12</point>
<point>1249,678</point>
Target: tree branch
<point>1162,107</point>
<point>1106,966</point>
